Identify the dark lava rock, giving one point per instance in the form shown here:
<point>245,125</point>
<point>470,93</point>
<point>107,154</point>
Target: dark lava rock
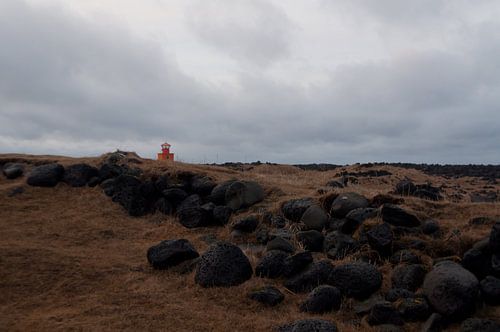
<point>384,313</point>
<point>130,193</point>
<point>316,274</point>
<point>356,279</point>
<point>295,208</point>
<point>395,294</point>
<point>242,194</point>
<point>279,243</point>
<point>322,299</point>
<point>218,194</point>
<point>110,170</point>
<point>268,295</point>
<point>13,170</point>
<point>297,263</point>
<point>396,216</point>
<point>79,175</point>
<point>408,276</point>
<point>406,257</point>
<point>311,240</point>
<point>495,238</point>
<point>223,264</point>
<point>272,264</point>
<point>163,205</point>
<point>414,309</point>
<point>202,185</point>
<point>451,289</point>
<point>478,262</point>
<point>380,238</point>
<point>479,325</point>
<point>309,325</point>
<point>46,175</point>
<point>247,224</point>
<point>175,195</point>
<point>356,217</point>
<point>338,245</point>
<point>169,253</point>
<point>191,201</point>
<point>162,183</point>
<point>431,227</point>
<point>490,289</point>
<point>314,218</point>
<point>347,202</point>
<point>191,214</point>
<point>221,215</point>
<point>94,181</point>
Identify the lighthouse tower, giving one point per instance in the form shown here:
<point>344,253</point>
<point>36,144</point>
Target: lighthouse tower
<point>165,152</point>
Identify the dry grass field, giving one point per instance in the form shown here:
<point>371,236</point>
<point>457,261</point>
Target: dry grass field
<point>70,259</point>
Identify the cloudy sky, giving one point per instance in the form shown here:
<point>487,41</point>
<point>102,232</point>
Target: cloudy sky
<point>284,81</point>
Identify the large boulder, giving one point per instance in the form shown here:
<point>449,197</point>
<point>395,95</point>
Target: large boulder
<point>408,277</point>
<point>127,190</point>
<point>355,218</point>
<point>78,175</point>
<point>311,240</point>
<point>490,289</point>
<point>356,279</point>
<point>337,245</point>
<point>477,261</point>
<point>247,224</point>
<point>221,215</point>
<point>218,194</point>
<point>13,170</point>
<point>175,195</point>
<point>47,175</point>
<point>405,256</point>
<point>316,274</point>
<point>414,309</point>
<point>397,216</point>
<point>223,264</point>
<point>297,263</point>
<point>314,218</point>
<point>322,299</point>
<point>451,289</point>
<point>279,243</point>
<point>309,325</point>
<point>192,214</point>
<point>202,185</point>
<point>242,194</point>
<point>347,202</point>
<point>268,295</point>
<point>169,253</point>
<point>272,264</point>
<point>294,209</point>
<point>384,313</point>
<point>380,238</point>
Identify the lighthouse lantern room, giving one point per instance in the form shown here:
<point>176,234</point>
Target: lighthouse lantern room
<point>165,152</point>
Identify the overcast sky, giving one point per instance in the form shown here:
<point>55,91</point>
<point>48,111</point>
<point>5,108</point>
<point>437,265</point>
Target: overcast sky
<point>284,81</point>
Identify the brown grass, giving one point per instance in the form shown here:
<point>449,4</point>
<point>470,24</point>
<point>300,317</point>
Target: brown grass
<point>70,259</point>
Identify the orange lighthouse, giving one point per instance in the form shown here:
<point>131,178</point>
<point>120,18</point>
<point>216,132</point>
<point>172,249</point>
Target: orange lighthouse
<point>165,152</point>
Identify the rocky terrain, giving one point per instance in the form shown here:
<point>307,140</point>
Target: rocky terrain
<point>121,242</point>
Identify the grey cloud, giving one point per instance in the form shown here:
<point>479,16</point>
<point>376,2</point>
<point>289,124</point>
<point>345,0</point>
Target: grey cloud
<point>254,32</point>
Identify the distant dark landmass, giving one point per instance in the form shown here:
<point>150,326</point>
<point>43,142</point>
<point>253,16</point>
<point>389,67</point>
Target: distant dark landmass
<point>449,171</point>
